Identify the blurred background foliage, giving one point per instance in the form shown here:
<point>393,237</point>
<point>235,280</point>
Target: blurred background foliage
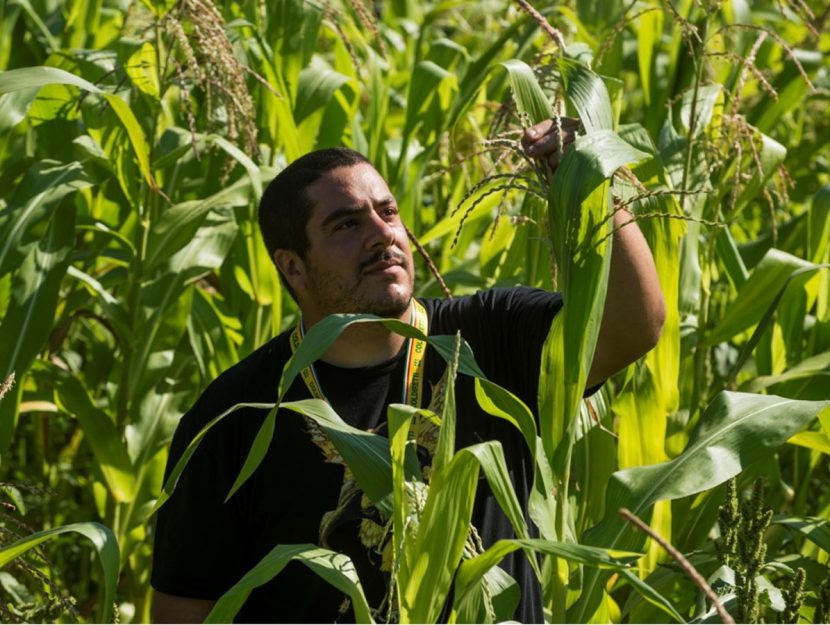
<point>135,147</point>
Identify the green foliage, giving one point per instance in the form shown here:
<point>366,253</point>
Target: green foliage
<point>134,146</point>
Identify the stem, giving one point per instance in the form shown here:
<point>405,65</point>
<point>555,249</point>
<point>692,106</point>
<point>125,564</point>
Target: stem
<point>700,348</point>
<point>687,168</point>
<point>681,560</point>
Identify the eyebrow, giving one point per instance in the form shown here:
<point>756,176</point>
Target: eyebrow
<point>345,211</point>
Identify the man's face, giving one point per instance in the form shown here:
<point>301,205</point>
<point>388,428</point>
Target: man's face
<point>359,260</point>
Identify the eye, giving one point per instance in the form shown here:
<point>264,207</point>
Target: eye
<point>390,211</point>
<point>346,224</point>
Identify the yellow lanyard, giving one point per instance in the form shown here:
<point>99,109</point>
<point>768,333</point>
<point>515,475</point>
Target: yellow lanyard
<point>413,375</point>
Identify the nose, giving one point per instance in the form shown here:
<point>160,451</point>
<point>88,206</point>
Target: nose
<point>381,234</point>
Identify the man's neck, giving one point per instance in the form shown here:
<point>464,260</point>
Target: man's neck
<point>365,344</point>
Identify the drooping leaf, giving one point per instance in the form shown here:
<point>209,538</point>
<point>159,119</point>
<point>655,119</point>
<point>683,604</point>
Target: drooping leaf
<point>99,431</point>
<point>105,545</point>
<point>34,200</point>
<point>735,430</point>
<point>29,77</point>
<point>589,95</point>
<point>530,99</point>
<point>335,568</point>
<point>28,321</point>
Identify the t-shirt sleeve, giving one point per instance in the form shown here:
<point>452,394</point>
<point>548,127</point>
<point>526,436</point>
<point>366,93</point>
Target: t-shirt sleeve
<point>199,539</point>
<point>506,328</point>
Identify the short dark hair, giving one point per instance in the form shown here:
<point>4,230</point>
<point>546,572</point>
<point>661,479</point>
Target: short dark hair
<point>285,208</point>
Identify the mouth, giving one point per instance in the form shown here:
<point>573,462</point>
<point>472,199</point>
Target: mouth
<point>387,264</point>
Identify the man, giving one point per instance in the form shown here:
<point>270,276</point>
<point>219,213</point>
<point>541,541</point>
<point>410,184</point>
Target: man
<point>333,230</point>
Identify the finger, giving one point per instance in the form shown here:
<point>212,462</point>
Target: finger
<point>549,125</point>
<point>549,143</point>
<point>553,161</point>
<point>534,133</point>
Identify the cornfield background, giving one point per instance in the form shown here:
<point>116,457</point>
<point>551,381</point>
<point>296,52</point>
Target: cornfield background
<point>135,139</point>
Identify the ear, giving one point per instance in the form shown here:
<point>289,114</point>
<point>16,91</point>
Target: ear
<point>292,268</point>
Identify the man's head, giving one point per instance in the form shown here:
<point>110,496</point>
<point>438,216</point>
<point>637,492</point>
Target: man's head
<point>332,228</point>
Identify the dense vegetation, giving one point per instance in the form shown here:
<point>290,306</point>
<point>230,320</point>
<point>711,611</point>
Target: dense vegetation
<point>135,138</point>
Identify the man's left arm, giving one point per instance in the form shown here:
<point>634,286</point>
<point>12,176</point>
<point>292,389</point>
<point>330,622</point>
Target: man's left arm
<point>634,308</point>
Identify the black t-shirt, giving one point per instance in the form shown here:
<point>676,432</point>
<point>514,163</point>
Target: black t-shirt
<point>203,546</point>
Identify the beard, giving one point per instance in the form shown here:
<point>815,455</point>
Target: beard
<point>364,293</point>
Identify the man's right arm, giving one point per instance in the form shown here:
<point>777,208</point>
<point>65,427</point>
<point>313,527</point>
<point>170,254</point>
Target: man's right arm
<point>173,609</point>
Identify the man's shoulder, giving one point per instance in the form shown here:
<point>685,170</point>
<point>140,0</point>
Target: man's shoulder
<point>254,379</point>
<point>499,300</point>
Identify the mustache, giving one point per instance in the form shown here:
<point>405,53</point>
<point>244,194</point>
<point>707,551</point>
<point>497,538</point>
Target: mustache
<point>391,254</point>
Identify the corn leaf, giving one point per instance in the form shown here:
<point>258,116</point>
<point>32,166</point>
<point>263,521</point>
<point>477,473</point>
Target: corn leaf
<point>30,315</point>
<point>588,94</point>
<point>817,441</point>
<point>471,571</point>
<point>530,99</point>
<point>99,431</point>
<point>366,454</point>
<point>434,554</point>
<point>754,297</point>
<point>735,430</point>
<point>179,224</point>
<point>28,77</point>
<point>33,202</point>
<point>105,545</point>
<point>815,529</point>
<point>336,568</point>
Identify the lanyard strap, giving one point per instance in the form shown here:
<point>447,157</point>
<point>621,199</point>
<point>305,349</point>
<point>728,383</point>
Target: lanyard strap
<point>413,375</point>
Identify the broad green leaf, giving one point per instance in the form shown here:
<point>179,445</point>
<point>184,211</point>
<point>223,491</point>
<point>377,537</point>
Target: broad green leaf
<point>208,248</point>
<point>530,99</point>
<point>493,601</point>
<point>649,31</point>
<point>167,307</point>
<point>366,454</point>
<point>771,155</point>
<point>818,225</point>
<point>811,368</point>
<point>423,86</point>
<point>579,208</point>
<point>471,571</point>
<point>243,159</point>
<point>816,530</point>
<point>735,430</point>
<point>28,77</point>
<point>335,568</point>
<point>179,224</point>
<point>817,441</point>
<point>25,218</point>
<point>707,97</point>
<point>589,95</point>
<point>439,544</point>
<point>501,403</point>
<point>105,545</point>
<point>652,596</point>
<point>445,447</point>
<point>99,431</point>
<point>15,106</point>
<point>30,315</point>
<point>756,294</point>
<point>731,258</point>
<point>400,418</point>
<point>476,71</point>
<point>142,69</point>
<point>798,276</point>
<point>318,83</point>
<point>41,27</point>
<point>114,310</point>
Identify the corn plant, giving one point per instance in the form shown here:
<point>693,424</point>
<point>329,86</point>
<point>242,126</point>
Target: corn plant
<point>133,151</point>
